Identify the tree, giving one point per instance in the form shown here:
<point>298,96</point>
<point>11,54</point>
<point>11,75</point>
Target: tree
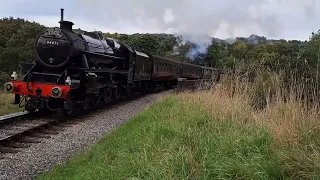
<point>20,47</point>
<point>8,27</point>
<point>239,50</point>
<point>217,54</point>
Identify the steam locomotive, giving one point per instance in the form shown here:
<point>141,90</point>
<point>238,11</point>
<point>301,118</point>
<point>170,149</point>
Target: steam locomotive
<point>81,70</point>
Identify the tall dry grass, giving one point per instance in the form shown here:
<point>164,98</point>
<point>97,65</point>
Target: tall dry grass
<point>284,110</point>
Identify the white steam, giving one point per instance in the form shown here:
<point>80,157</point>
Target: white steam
<point>201,43</point>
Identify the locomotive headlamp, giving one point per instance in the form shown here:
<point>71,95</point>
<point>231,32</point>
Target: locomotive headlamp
<point>14,75</point>
<point>56,92</point>
<point>8,87</point>
<point>68,81</point>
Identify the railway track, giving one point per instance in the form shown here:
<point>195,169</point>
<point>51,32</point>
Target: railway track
<point>20,132</point>
<point>8,117</point>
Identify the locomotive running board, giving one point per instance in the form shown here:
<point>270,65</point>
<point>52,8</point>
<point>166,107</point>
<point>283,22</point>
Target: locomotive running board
<point>104,71</point>
<point>102,55</point>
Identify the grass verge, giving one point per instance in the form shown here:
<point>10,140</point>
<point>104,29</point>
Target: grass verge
<point>6,106</point>
<point>178,138</point>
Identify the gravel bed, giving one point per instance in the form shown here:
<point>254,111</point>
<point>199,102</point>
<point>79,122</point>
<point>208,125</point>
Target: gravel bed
<point>41,157</point>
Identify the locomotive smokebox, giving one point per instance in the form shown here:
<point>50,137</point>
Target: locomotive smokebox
<point>66,25</point>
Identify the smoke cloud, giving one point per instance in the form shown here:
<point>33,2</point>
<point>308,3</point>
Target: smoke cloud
<point>199,20</point>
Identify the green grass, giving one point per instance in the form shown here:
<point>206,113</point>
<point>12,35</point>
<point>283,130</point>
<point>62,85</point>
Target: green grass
<point>174,139</point>
<point>6,106</point>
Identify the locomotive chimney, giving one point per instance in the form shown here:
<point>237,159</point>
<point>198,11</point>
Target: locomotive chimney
<point>66,25</point>
<point>62,14</point>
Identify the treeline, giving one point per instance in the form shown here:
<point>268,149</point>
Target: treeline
<point>16,44</point>
<point>295,60</point>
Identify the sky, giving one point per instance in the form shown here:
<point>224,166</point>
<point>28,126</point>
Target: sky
<point>274,19</point>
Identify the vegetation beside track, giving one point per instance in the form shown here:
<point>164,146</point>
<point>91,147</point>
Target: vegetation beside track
<point>207,135</point>
<point>6,106</point>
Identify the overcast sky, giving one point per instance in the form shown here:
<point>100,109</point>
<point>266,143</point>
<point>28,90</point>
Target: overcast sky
<point>288,19</point>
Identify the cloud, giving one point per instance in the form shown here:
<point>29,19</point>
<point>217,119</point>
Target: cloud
<point>201,16</point>
<point>168,16</point>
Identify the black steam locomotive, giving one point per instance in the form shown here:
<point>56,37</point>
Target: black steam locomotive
<point>81,70</point>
